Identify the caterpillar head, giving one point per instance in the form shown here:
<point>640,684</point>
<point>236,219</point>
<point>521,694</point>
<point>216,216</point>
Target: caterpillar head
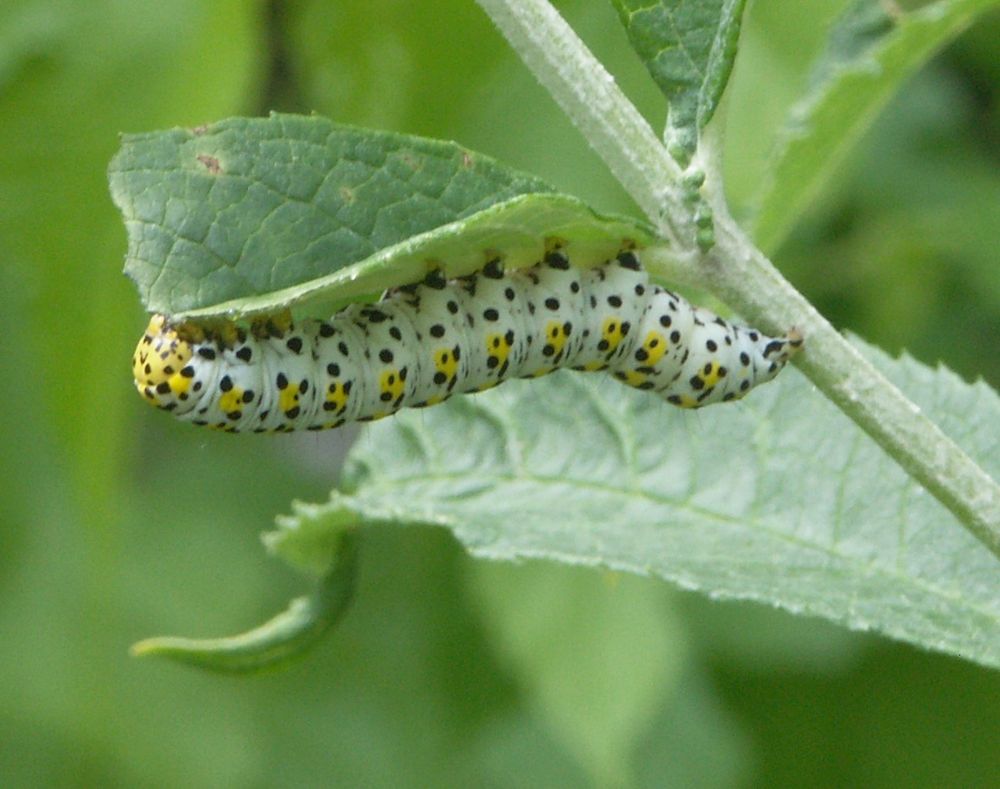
<point>160,365</point>
<point>784,348</point>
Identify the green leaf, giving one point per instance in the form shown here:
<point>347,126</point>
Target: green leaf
<point>292,633</point>
<point>778,499</point>
<point>248,216</point>
<point>872,49</point>
<point>689,48</point>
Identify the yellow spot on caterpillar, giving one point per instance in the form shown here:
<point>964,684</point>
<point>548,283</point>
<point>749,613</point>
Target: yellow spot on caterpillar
<point>338,395</point>
<point>446,363</point>
<point>497,347</point>
<point>635,378</point>
<point>611,333</point>
<point>233,400</point>
<point>711,374</point>
<point>555,335</point>
<point>391,384</point>
<point>655,346</point>
<point>288,399</point>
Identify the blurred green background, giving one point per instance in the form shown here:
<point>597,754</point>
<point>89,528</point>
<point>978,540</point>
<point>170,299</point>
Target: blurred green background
<point>118,523</point>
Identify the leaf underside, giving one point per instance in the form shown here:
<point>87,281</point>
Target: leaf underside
<point>252,215</point>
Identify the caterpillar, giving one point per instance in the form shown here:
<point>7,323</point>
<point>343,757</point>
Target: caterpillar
<point>426,341</point>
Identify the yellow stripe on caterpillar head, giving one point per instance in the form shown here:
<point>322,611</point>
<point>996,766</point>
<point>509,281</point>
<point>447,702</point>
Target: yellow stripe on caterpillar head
<point>160,364</point>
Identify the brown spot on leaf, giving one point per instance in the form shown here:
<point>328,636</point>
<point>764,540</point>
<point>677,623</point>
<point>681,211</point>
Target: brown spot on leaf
<point>210,162</point>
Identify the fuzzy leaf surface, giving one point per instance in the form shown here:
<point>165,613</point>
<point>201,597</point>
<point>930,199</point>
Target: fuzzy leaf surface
<point>778,499</point>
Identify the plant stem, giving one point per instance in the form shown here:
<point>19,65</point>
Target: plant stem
<point>588,94</point>
<point>739,274</point>
<point>735,270</point>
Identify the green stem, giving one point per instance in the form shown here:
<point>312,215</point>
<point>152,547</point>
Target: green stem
<point>588,94</point>
<point>739,274</point>
<point>735,270</point>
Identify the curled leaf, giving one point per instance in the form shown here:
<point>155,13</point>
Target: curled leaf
<point>281,640</point>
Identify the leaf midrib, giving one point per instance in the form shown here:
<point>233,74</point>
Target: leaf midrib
<point>392,485</point>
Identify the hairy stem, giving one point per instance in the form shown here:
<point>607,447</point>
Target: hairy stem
<point>738,273</point>
<point>735,270</point>
<point>589,95</point>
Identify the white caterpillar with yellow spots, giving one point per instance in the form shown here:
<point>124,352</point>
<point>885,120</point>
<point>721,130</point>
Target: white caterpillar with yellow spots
<point>424,342</point>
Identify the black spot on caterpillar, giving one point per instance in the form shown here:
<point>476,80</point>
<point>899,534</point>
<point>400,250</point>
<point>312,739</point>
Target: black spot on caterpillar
<point>424,342</point>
